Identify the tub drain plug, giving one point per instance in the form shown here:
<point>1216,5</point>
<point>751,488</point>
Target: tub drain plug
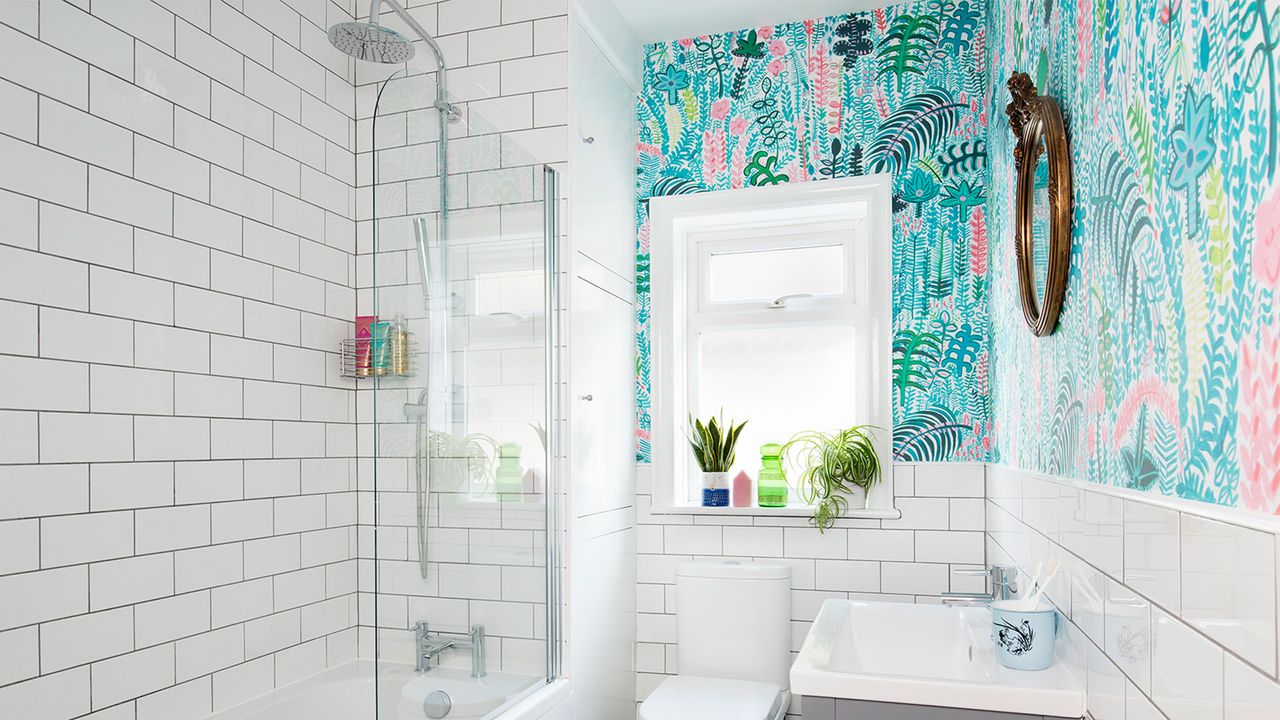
<point>437,705</point>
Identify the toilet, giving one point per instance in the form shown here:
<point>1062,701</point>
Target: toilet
<point>733,632</point>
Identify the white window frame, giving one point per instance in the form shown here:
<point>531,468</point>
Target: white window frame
<point>685,229</point>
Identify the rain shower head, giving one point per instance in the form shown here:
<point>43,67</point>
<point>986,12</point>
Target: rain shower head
<point>375,43</point>
<point>372,42</point>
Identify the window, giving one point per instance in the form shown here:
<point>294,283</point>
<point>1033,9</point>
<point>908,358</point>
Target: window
<point>771,304</point>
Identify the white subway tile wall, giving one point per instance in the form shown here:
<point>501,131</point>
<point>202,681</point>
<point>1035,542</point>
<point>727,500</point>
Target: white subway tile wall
<point>177,454</point>
<point>911,559</point>
<point>1171,605</point>
<point>486,559</point>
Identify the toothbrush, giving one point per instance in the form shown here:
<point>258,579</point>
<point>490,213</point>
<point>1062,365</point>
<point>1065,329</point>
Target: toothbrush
<point>1036,568</point>
<point>1032,601</point>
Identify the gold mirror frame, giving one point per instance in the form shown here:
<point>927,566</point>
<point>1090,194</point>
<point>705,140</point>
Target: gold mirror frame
<point>1035,119</point>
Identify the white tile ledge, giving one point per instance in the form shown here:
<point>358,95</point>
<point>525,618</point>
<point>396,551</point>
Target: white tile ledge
<point>798,511</point>
<point>1231,515</point>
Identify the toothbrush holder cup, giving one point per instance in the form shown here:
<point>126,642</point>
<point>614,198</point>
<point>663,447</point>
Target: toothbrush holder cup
<point>1024,639</point>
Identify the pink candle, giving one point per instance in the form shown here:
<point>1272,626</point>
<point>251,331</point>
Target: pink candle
<point>741,493</point>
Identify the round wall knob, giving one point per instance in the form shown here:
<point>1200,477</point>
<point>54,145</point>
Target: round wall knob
<point>588,398</point>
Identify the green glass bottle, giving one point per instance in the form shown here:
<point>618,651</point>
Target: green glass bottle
<point>771,484</point>
<point>510,476</point>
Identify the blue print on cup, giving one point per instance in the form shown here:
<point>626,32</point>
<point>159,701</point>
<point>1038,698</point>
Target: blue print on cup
<point>1024,639</point>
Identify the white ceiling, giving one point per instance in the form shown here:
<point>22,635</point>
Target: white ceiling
<point>656,20</point>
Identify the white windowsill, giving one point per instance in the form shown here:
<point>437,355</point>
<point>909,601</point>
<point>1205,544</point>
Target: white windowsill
<point>793,511</point>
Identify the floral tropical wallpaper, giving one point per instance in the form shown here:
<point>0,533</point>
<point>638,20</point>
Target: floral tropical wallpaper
<point>1162,375</point>
<point>900,90</point>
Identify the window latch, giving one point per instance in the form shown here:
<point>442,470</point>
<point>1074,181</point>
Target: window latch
<point>780,302</point>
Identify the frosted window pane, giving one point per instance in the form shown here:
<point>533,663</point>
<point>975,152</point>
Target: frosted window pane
<point>782,380</point>
<point>767,274</point>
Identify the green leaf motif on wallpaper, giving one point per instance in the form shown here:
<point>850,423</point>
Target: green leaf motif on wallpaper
<point>1260,19</point>
<point>968,156</point>
<point>915,356</point>
<point>962,350</point>
<point>957,30</point>
<point>713,47</point>
<point>762,170</point>
<point>919,188</point>
<point>1138,123</point>
<point>748,48</point>
<point>920,123</point>
<point>908,47</point>
<point>1064,428</point>
<point>927,433</point>
<point>1220,250</point>
<point>1193,151</point>
<point>671,81</point>
<point>1140,468</point>
<point>1121,220</point>
<point>853,42</point>
<point>963,195</point>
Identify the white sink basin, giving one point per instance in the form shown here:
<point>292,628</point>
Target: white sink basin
<point>923,655</point>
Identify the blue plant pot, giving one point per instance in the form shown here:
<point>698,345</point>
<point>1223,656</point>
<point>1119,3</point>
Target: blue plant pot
<point>1024,640</point>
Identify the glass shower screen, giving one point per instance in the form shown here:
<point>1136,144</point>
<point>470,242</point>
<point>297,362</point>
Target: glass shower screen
<point>455,508</point>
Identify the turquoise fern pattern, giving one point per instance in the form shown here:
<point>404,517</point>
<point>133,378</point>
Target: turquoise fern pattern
<point>897,90</point>
<point>1171,110</point>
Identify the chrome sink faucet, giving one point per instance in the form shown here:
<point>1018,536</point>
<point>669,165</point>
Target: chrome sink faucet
<point>1003,584</point>
<point>428,648</point>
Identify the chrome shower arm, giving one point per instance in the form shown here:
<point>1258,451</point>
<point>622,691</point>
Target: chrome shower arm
<point>422,33</point>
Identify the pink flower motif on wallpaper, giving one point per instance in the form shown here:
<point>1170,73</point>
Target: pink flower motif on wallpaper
<point>686,43</point>
<point>1085,20</point>
<point>978,242</point>
<point>778,47</point>
<point>738,125</point>
<point>713,156</point>
<point>1258,429</point>
<point>1158,398</point>
<point>1266,243</point>
<point>765,32</point>
<point>775,67</point>
<point>720,108</point>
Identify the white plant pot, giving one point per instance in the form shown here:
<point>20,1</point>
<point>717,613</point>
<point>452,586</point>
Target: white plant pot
<point>715,481</point>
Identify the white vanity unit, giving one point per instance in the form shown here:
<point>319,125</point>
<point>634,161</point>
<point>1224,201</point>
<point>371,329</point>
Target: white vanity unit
<point>870,659</point>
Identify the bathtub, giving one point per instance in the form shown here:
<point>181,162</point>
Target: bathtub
<point>350,691</point>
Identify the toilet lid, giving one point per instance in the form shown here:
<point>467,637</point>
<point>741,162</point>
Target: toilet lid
<point>686,697</point>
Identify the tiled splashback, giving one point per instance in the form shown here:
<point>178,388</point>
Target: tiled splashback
<point>1172,605</point>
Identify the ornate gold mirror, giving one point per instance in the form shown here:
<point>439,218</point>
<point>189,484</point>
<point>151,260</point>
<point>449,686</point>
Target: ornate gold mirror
<point>1042,211</point>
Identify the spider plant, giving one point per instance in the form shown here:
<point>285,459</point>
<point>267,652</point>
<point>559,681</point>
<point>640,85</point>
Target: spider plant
<point>465,460</point>
<point>831,466</point>
<point>714,443</point>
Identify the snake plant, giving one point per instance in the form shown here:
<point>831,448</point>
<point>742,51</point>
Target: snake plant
<point>831,466</point>
<point>714,443</point>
